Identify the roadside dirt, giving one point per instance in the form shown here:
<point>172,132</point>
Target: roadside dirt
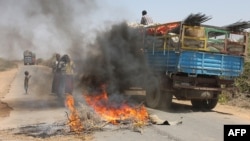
<point>6,77</point>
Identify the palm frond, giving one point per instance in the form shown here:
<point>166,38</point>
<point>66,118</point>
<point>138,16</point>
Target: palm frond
<point>238,26</point>
<point>196,19</point>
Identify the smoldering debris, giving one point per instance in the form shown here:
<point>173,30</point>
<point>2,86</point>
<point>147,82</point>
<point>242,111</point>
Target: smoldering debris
<point>42,130</point>
<point>156,120</point>
<point>92,122</point>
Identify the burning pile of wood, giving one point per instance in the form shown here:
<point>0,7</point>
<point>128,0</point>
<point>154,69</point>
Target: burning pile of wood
<point>85,119</point>
<point>100,113</point>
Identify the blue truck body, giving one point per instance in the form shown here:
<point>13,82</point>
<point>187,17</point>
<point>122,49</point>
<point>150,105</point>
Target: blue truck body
<point>193,62</point>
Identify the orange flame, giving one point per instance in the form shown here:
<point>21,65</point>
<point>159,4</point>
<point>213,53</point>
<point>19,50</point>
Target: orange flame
<point>112,113</point>
<point>74,119</point>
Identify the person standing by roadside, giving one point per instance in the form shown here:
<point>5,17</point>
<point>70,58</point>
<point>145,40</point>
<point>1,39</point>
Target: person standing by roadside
<point>56,73</point>
<point>66,83</point>
<point>55,62</point>
<point>145,19</point>
<point>69,75</point>
<point>26,81</point>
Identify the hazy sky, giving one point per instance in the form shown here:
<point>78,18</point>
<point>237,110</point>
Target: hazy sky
<point>49,26</point>
<point>223,11</point>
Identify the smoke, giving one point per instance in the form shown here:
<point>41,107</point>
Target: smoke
<point>44,26</point>
<point>116,60</point>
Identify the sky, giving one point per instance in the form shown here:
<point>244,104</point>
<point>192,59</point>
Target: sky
<point>49,26</point>
<point>223,12</point>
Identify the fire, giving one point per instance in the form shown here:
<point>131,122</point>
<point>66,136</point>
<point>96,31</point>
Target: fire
<point>74,119</point>
<point>114,112</point>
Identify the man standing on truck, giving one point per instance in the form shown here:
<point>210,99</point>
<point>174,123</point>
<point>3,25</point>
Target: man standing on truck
<point>145,19</point>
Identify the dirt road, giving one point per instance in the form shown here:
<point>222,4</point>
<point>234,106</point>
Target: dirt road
<point>39,112</point>
<point>38,107</point>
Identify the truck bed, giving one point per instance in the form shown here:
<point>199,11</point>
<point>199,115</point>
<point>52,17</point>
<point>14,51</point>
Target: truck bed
<point>194,62</point>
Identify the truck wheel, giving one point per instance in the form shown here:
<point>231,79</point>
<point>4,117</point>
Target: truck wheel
<point>166,100</point>
<point>169,97</point>
<point>153,98</point>
<point>207,104</point>
<point>196,103</point>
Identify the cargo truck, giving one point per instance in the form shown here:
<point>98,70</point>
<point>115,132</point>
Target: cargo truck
<point>29,58</point>
<point>193,61</point>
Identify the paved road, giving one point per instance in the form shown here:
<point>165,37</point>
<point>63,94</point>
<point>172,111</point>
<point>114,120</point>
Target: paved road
<point>39,106</point>
<point>35,107</point>
<point>196,126</point>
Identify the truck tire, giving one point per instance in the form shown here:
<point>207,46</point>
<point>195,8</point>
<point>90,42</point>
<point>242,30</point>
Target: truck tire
<point>166,100</point>
<point>153,98</point>
<point>207,104</point>
<point>196,103</point>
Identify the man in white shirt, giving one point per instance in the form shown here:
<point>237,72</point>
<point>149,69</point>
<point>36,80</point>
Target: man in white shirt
<point>145,19</point>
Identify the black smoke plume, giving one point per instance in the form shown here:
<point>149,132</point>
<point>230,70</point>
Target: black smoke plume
<point>119,61</point>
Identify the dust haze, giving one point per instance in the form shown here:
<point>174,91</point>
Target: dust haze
<point>107,52</point>
<point>45,26</point>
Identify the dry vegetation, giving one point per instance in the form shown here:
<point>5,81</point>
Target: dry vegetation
<point>6,65</point>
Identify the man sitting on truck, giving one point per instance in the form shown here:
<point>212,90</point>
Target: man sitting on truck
<point>145,19</point>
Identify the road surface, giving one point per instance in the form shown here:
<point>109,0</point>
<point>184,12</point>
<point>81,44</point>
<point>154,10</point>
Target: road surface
<point>39,106</point>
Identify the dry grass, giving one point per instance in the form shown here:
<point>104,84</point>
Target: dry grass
<point>6,64</point>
